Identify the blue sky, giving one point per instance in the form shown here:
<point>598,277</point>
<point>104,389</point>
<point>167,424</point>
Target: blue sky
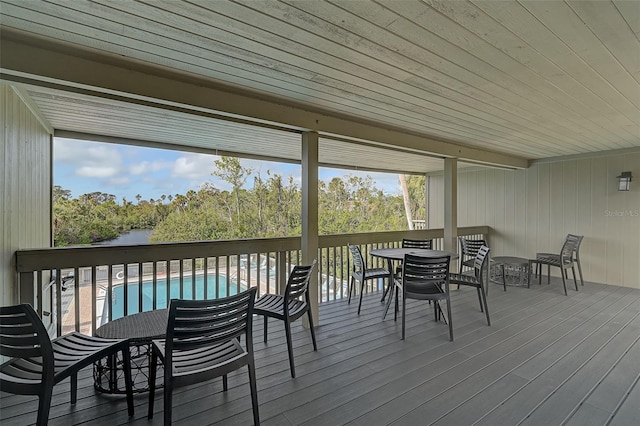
<point>126,171</point>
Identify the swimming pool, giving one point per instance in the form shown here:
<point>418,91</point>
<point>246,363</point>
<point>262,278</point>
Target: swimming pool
<point>117,303</point>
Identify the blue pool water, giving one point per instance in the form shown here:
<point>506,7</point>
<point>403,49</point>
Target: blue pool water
<point>161,293</point>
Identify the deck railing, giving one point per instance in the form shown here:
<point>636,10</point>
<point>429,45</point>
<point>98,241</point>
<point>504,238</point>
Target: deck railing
<point>81,288</point>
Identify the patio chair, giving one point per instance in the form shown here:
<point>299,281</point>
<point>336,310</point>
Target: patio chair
<point>37,363</point>
<point>423,278</point>
<point>468,251</point>
<point>290,306</point>
<point>361,273</point>
<point>568,258</point>
<point>578,241</point>
<point>419,244</point>
<point>202,343</point>
<point>477,279</point>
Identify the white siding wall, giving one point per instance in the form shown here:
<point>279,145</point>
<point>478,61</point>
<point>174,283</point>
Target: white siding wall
<point>25,186</point>
<point>532,210</point>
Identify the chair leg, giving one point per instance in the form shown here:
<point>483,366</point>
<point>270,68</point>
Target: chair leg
<point>564,281</point>
<point>44,404</point>
<point>386,309</point>
<point>480,299</point>
<point>225,383</point>
<point>287,329</point>
<point>575,281</point>
<point>397,306</point>
<point>486,307</point>
<point>351,284</point>
<point>580,271</point>
<point>266,319</point>
<point>152,383</point>
<point>73,381</point>
<point>361,291</point>
<point>254,393</point>
<point>449,320</point>
<point>128,382</point>
<point>313,333</point>
<point>404,313</point>
<point>168,397</point>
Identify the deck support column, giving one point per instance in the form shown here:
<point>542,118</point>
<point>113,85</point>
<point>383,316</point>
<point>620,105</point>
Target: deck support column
<point>309,243</point>
<point>451,206</point>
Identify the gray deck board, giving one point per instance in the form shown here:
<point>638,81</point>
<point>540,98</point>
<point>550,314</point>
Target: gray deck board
<point>546,359</point>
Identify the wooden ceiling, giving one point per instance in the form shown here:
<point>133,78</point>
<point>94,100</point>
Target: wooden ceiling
<point>530,79</point>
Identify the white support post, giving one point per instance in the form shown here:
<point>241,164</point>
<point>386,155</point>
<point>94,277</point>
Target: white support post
<point>450,205</point>
<point>310,213</point>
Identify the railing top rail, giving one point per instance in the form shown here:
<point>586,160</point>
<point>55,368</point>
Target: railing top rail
<point>74,257</point>
<point>71,257</point>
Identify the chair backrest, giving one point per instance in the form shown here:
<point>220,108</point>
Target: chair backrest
<point>577,240</point>
<point>570,248</point>
<point>421,244</point>
<point>22,335</point>
<point>298,282</point>
<point>358,261</point>
<point>196,324</point>
<point>425,275</point>
<point>470,247</point>
<point>480,262</point>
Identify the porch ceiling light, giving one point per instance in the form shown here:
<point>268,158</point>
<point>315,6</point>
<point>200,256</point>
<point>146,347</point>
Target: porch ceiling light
<point>624,181</point>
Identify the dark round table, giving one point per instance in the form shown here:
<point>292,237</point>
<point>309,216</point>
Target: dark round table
<point>140,329</point>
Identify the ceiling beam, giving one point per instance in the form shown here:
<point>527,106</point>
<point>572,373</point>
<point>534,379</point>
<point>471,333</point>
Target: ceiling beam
<point>35,60</point>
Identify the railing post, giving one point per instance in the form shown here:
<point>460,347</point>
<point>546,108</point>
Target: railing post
<point>26,289</point>
<point>281,279</point>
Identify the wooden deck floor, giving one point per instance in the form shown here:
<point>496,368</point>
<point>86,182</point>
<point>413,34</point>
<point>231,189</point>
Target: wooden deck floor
<point>547,359</point>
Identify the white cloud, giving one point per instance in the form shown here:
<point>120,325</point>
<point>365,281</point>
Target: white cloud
<point>149,167</point>
<point>119,181</point>
<point>195,167</point>
<point>93,159</point>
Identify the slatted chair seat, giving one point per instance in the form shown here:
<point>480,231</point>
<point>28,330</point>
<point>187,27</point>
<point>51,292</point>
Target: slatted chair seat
<point>290,306</point>
<point>203,342</point>
<point>38,364</point>
<point>477,279</point>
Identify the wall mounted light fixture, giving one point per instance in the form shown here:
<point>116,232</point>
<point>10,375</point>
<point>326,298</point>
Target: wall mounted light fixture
<point>624,181</point>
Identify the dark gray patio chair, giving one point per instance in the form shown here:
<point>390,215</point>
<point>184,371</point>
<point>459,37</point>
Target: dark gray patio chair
<point>290,306</point>
<point>202,343</point>
<point>468,251</point>
<point>419,244</point>
<point>37,363</point>
<point>423,278</point>
<point>568,258</point>
<point>361,273</point>
<point>477,279</point>
<point>577,239</point>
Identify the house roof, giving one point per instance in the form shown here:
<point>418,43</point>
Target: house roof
<point>491,82</point>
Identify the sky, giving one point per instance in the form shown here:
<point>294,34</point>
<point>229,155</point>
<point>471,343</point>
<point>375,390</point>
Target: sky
<point>126,171</point>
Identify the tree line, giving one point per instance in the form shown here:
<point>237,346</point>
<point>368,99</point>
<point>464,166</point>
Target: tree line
<point>270,207</point>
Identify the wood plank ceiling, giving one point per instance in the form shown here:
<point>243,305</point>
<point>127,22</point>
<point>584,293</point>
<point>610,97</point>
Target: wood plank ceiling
<point>532,79</point>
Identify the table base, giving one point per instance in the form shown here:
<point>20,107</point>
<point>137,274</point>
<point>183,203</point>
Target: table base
<point>108,374</point>
<point>515,275</point>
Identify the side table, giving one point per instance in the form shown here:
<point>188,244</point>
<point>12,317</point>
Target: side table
<point>140,329</point>
<point>514,271</point>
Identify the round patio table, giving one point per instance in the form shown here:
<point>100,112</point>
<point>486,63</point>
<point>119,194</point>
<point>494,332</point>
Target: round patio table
<point>140,329</point>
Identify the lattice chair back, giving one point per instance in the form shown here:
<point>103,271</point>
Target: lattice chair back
<point>421,244</point>
<point>298,282</point>
<point>24,336</point>
<point>197,324</point>
<point>358,262</point>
